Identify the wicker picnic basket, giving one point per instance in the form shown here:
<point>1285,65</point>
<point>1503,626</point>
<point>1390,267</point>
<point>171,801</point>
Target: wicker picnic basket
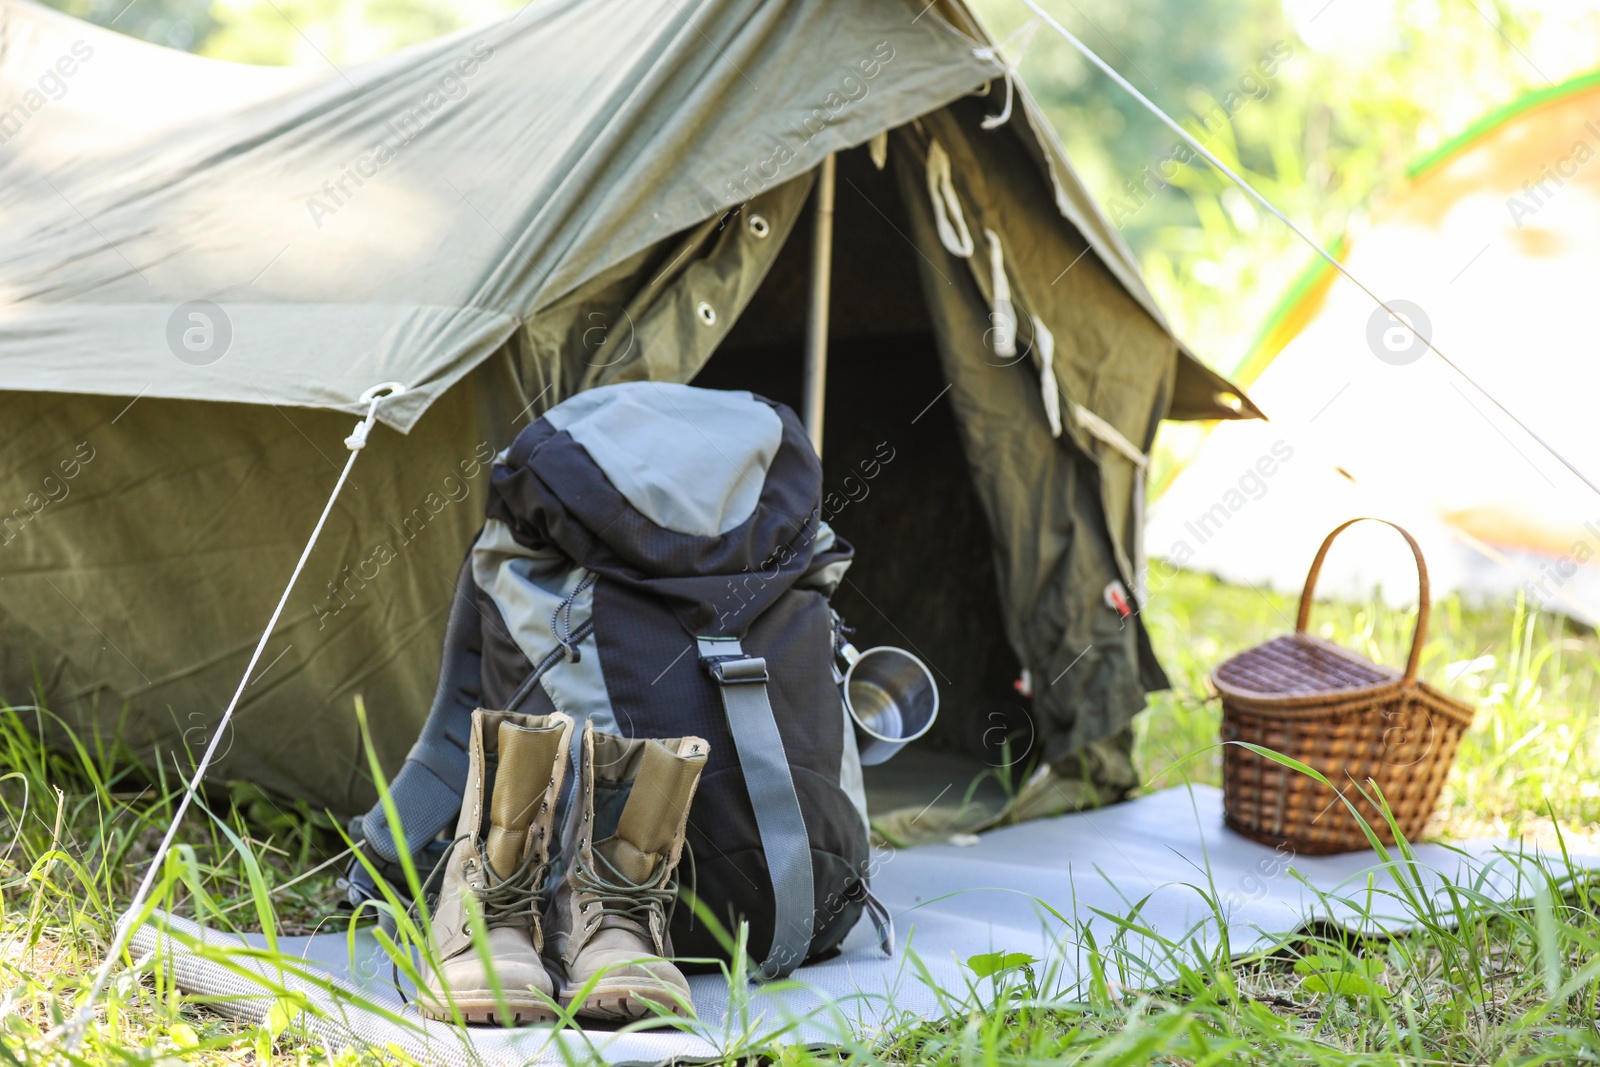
<point>1354,721</point>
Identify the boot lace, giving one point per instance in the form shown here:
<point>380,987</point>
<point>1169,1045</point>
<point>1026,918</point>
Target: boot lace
<point>508,902</point>
<point>613,896</point>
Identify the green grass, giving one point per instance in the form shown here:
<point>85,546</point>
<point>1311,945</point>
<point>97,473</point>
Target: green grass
<point>1472,982</point>
<point>1533,753</point>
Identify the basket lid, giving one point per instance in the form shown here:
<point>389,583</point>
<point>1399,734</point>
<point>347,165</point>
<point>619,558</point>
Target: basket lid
<point>1299,665</point>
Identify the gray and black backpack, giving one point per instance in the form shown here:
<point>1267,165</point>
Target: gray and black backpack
<point>654,561</point>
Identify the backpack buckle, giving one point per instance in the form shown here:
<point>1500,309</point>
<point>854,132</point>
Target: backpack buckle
<point>727,662</point>
<point>737,670</point>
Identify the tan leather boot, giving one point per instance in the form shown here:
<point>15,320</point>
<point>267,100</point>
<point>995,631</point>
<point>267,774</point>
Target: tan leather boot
<point>498,867</point>
<point>611,903</point>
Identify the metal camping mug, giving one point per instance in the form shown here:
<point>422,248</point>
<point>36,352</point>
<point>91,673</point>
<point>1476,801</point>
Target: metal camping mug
<point>892,698</point>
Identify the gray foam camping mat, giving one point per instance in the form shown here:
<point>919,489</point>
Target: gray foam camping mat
<point>1043,888</point>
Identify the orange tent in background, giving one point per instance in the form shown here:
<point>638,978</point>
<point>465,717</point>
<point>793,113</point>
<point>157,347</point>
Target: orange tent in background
<point>1492,248</point>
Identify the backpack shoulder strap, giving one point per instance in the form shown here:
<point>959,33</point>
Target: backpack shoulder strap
<point>742,682</point>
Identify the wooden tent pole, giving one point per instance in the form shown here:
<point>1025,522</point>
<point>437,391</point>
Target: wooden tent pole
<point>816,386</point>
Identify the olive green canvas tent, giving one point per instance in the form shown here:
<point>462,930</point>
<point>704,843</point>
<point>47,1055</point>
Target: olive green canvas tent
<point>203,265</point>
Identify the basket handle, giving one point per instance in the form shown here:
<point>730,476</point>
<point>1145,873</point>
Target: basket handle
<point>1424,600</point>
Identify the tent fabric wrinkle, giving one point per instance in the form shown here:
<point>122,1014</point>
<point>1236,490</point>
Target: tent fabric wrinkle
<point>1045,355</point>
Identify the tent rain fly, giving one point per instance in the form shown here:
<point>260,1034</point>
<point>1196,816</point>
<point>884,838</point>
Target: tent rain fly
<point>203,265</point>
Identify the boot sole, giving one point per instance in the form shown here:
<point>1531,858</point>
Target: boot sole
<point>625,1001</point>
<point>481,1009</point>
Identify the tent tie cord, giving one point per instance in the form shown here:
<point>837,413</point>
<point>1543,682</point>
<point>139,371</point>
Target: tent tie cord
<point>995,121</point>
<point>72,1031</point>
<point>1227,172</point>
<point>878,149</point>
<point>1023,35</point>
<point>1002,313</point>
<point>947,216</point>
<point>991,122</point>
<point>1044,351</point>
<point>372,398</point>
<point>956,237</point>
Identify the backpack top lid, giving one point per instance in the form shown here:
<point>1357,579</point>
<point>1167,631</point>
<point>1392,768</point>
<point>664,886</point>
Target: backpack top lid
<point>674,489</point>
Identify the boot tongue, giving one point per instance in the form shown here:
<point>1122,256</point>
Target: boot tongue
<point>526,757</point>
<point>632,864</point>
<point>653,817</point>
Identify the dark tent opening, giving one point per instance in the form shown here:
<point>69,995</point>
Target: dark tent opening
<point>896,485</point>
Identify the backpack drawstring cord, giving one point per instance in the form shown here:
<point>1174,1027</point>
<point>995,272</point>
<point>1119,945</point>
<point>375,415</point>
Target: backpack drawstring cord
<point>561,619</point>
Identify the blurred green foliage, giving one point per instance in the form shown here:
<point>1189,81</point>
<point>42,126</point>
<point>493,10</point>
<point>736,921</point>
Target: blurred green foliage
<point>1360,89</point>
<point>335,32</point>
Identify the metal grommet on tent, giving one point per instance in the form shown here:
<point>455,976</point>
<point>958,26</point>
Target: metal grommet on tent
<point>707,313</point>
<point>381,391</point>
<point>759,226</point>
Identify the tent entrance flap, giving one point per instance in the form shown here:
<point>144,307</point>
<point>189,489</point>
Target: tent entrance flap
<point>985,541</point>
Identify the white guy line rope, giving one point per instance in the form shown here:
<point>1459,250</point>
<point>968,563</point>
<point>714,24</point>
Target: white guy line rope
<point>1155,110</point>
<point>74,1030</point>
